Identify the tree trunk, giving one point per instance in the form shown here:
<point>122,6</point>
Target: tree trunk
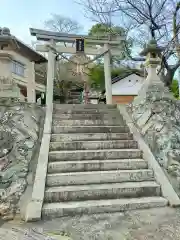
<point>168,77</point>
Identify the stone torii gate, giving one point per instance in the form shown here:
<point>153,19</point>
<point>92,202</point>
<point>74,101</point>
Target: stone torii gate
<point>109,46</point>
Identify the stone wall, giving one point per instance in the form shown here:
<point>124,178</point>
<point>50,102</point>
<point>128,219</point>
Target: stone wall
<point>20,135</point>
<point>157,115</point>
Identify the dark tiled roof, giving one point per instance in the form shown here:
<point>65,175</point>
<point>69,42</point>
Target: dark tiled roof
<point>118,78</point>
<point>35,56</point>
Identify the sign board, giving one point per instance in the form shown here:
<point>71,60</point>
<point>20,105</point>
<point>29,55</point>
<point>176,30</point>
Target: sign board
<point>79,45</point>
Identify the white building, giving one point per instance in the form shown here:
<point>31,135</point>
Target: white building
<point>20,64</point>
<point>125,88</point>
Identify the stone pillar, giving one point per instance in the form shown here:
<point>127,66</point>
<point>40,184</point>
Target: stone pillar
<point>152,86</point>
<point>31,85</point>
<point>152,79</point>
<point>50,77</point>
<point>107,75</point>
<point>153,89</point>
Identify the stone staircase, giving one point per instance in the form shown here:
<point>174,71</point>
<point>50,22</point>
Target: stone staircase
<point>74,97</point>
<point>95,165</point>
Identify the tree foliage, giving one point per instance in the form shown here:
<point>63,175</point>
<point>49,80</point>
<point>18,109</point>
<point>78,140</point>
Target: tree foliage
<point>97,79</point>
<point>59,23</point>
<point>102,29</point>
<point>63,77</point>
<point>96,76</point>
<point>145,19</point>
<point>175,88</point>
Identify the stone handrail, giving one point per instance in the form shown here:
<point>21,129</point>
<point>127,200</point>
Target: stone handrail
<point>34,207</point>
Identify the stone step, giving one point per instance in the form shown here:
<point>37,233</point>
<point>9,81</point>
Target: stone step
<point>82,122</point>
<point>83,145</point>
<point>73,98</point>
<point>88,116</point>
<point>101,206</point>
<point>102,191</point>
<point>73,90</point>
<point>97,177</point>
<point>94,154</point>
<point>85,106</point>
<point>96,165</point>
<point>90,136</point>
<point>90,129</point>
<point>74,95</point>
<point>73,101</point>
<point>85,111</point>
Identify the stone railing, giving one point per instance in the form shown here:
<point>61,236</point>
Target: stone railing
<point>34,206</point>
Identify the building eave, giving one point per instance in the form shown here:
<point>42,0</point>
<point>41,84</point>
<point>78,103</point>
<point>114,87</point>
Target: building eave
<point>31,53</point>
<point>23,48</point>
<point>119,78</point>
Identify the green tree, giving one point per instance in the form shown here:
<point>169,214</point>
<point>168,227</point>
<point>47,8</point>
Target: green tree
<point>96,76</point>
<point>97,79</point>
<point>100,30</point>
<point>144,19</point>
<point>175,88</point>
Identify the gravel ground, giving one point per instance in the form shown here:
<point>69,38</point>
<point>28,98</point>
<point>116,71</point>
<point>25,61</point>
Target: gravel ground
<point>151,224</point>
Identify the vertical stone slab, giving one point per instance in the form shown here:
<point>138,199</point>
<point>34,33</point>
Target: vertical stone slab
<point>34,208</point>
<point>33,211</point>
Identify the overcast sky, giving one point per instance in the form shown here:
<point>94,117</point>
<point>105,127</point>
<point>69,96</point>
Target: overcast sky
<point>20,15</point>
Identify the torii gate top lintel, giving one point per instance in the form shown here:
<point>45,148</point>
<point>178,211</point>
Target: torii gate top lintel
<point>44,35</point>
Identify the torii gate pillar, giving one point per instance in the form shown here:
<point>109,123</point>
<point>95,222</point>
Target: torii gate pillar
<point>107,75</point>
<point>50,77</point>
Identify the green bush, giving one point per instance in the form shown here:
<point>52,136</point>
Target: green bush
<point>96,75</point>
<point>175,88</point>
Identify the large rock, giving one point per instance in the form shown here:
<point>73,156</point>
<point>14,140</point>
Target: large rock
<point>157,114</point>
<point>19,134</point>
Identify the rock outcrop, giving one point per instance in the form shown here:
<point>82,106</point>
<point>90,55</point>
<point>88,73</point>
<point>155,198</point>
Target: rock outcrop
<point>19,135</point>
<point>157,114</point>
